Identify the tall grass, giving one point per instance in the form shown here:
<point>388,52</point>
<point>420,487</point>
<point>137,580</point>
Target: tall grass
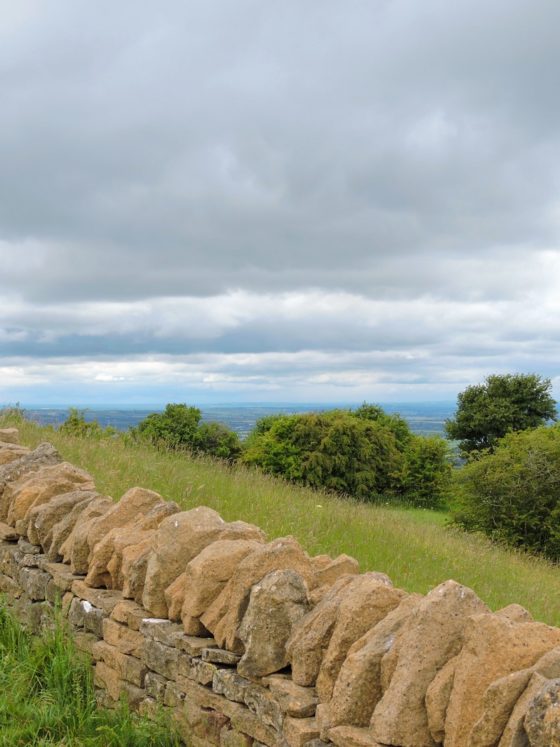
<point>415,547</point>
<point>47,696</point>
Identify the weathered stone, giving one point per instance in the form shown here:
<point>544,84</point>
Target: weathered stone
<point>432,635</point>
<point>134,566</point>
<point>135,503</point>
<point>357,688</point>
<point>7,533</point>
<point>298,731</point>
<point>494,647</point>
<point>75,549</point>
<point>204,579</point>
<point>515,613</point>
<point>515,734</point>
<point>161,659</point>
<point>105,563</point>
<point>63,578</point>
<point>11,452</point>
<point>232,738</point>
<point>334,569</point>
<point>231,685</point>
<point>542,722</point>
<point>276,603</point>
<point>9,435</point>
<point>177,541</point>
<point>155,685</point>
<point>164,631</point>
<point>64,527</point>
<point>310,637</point>
<point>259,700</point>
<point>220,656</point>
<point>44,454</point>
<point>196,669</point>
<point>83,614</point>
<point>242,719</point>
<point>129,613</point>
<point>194,645</point>
<point>105,599</point>
<point>366,602</point>
<point>204,725</point>
<point>294,700</point>
<point>42,518</point>
<point>120,636</point>
<point>34,583</point>
<point>437,699</point>
<point>111,681</point>
<point>498,703</point>
<point>128,667</point>
<point>352,736</point>
<point>223,618</point>
<point>43,485</point>
<point>173,695</point>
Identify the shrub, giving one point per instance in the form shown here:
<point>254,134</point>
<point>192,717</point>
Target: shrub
<point>179,426</point>
<point>513,494</point>
<point>364,453</point>
<point>77,425</point>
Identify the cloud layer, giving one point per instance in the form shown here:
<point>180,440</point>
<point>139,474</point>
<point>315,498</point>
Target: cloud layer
<point>242,200</point>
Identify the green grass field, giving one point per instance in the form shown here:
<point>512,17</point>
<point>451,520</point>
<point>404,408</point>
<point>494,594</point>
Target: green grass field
<point>414,547</point>
<point>47,696</point>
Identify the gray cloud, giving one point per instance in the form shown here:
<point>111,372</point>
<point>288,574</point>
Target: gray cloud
<point>166,170</point>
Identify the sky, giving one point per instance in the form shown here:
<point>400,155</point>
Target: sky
<point>248,201</point>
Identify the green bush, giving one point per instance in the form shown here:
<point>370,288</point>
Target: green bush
<point>513,494</point>
<point>363,453</point>
<point>179,427</point>
<point>77,425</point>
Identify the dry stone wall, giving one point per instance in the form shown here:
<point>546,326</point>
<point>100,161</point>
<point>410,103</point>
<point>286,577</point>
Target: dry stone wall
<point>249,641</point>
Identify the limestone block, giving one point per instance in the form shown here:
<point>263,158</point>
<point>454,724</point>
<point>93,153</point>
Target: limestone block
<point>9,435</point>
<point>13,472</point>
<point>75,549</point>
<point>368,600</point>
<point>432,635</point>
<point>224,617</point>
<point>124,639</point>
<point>161,659</point>
<point>206,576</point>
<point>357,689</point>
<point>42,518</point>
<point>294,700</point>
<point>276,604</point>
<point>310,637</point>
<point>299,731</point>
<point>128,667</point>
<point>494,647</point>
<point>43,485</point>
<point>177,541</point>
<point>352,736</point>
<point>542,722</point>
<point>11,452</point>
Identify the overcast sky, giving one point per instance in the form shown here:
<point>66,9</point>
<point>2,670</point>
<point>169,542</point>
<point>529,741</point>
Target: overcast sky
<point>306,200</point>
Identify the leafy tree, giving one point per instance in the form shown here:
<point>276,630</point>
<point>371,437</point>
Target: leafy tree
<point>504,403</point>
<point>179,426</point>
<point>513,493</point>
<point>176,426</point>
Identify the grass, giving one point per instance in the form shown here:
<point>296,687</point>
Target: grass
<point>47,696</point>
<point>414,547</point>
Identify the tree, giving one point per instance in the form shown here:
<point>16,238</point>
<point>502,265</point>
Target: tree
<point>175,427</point>
<point>512,494</point>
<point>504,403</point>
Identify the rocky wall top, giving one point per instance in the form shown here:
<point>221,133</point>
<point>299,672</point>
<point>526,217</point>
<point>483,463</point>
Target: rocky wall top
<point>372,664</point>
